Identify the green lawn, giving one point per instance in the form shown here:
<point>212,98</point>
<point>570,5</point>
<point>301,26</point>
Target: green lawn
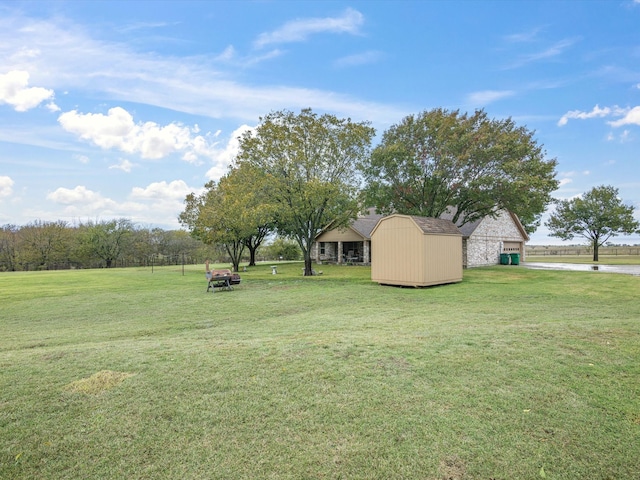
<point>511,374</point>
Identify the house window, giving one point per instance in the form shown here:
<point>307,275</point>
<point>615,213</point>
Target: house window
<point>322,251</point>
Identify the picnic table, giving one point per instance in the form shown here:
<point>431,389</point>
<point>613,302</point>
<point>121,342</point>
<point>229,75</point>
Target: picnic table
<point>222,279</point>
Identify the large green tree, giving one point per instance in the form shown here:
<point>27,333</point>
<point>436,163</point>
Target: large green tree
<point>44,244</point>
<point>212,218</point>
<point>249,187</point>
<point>470,165</point>
<point>597,216</point>
<point>233,212</point>
<point>108,239</point>
<point>309,163</point>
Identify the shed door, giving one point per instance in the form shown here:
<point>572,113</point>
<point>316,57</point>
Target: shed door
<point>512,247</point>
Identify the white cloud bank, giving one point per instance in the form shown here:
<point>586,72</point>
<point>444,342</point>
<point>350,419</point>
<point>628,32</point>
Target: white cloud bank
<point>158,201</point>
<point>630,116</point>
<point>117,130</point>
<point>15,91</point>
<point>65,57</point>
<point>6,186</point>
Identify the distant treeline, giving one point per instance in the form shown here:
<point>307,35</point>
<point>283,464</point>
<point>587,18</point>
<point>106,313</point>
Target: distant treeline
<point>561,250</point>
<point>43,245</point>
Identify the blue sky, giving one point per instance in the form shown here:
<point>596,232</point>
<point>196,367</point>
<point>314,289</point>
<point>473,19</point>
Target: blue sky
<point>120,109</point>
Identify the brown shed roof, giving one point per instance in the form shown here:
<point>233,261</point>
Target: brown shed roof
<point>428,225</point>
<point>436,225</point>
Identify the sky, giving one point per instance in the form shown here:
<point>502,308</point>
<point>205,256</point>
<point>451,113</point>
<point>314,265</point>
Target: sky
<point>121,108</point>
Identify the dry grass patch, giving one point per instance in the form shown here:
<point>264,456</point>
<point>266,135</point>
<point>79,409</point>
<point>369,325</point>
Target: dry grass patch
<point>98,382</point>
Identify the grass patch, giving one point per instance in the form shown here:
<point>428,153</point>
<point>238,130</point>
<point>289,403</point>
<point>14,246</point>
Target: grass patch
<point>509,373</point>
<point>98,382</point>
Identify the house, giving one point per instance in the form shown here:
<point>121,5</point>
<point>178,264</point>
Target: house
<point>416,251</point>
<point>482,241</point>
<point>351,244</point>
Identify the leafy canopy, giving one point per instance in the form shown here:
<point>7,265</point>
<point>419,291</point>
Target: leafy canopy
<point>597,216</point>
<point>309,163</point>
<point>439,159</point>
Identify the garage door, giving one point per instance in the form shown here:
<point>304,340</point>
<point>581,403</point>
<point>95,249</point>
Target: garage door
<point>511,247</point>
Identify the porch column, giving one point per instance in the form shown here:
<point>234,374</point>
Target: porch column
<point>339,252</point>
<point>366,254</point>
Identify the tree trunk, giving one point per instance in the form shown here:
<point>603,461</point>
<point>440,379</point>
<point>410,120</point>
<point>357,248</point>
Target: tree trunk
<point>252,255</point>
<point>595,250</point>
<point>235,250</point>
<point>308,269</point>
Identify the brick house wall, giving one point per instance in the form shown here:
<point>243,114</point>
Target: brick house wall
<point>486,243</point>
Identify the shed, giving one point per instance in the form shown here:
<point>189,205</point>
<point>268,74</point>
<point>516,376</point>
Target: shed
<point>415,251</point>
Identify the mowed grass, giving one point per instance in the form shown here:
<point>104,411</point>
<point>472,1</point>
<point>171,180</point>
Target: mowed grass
<point>510,374</point>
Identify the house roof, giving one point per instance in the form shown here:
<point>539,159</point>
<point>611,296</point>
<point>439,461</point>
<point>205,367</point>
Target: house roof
<point>468,228</point>
<point>364,225</point>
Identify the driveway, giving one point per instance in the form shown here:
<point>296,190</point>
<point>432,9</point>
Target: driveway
<point>627,269</point>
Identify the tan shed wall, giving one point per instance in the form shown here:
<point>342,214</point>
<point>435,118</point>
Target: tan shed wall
<point>347,235</point>
<point>444,259</point>
<point>402,254</point>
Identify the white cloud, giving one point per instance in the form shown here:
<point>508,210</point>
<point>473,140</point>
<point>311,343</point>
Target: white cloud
<point>6,186</point>
<point>224,157</point>
<point>372,56</point>
<point>117,130</point>
<point>14,91</point>
<point>488,96</point>
<point>175,190</point>
<point>81,202</point>
<point>162,200</point>
<point>565,181</point>
<point>597,112</point>
<point>299,30</point>
<point>124,165</point>
<point>79,194</point>
<point>66,58</point>
<point>631,117</point>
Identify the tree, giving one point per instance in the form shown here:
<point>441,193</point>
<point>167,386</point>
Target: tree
<point>282,248</point>
<point>250,189</point>
<point>597,216</point>
<point>45,244</point>
<point>470,165</point>
<point>309,163</point>
<point>8,248</point>
<point>108,239</point>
